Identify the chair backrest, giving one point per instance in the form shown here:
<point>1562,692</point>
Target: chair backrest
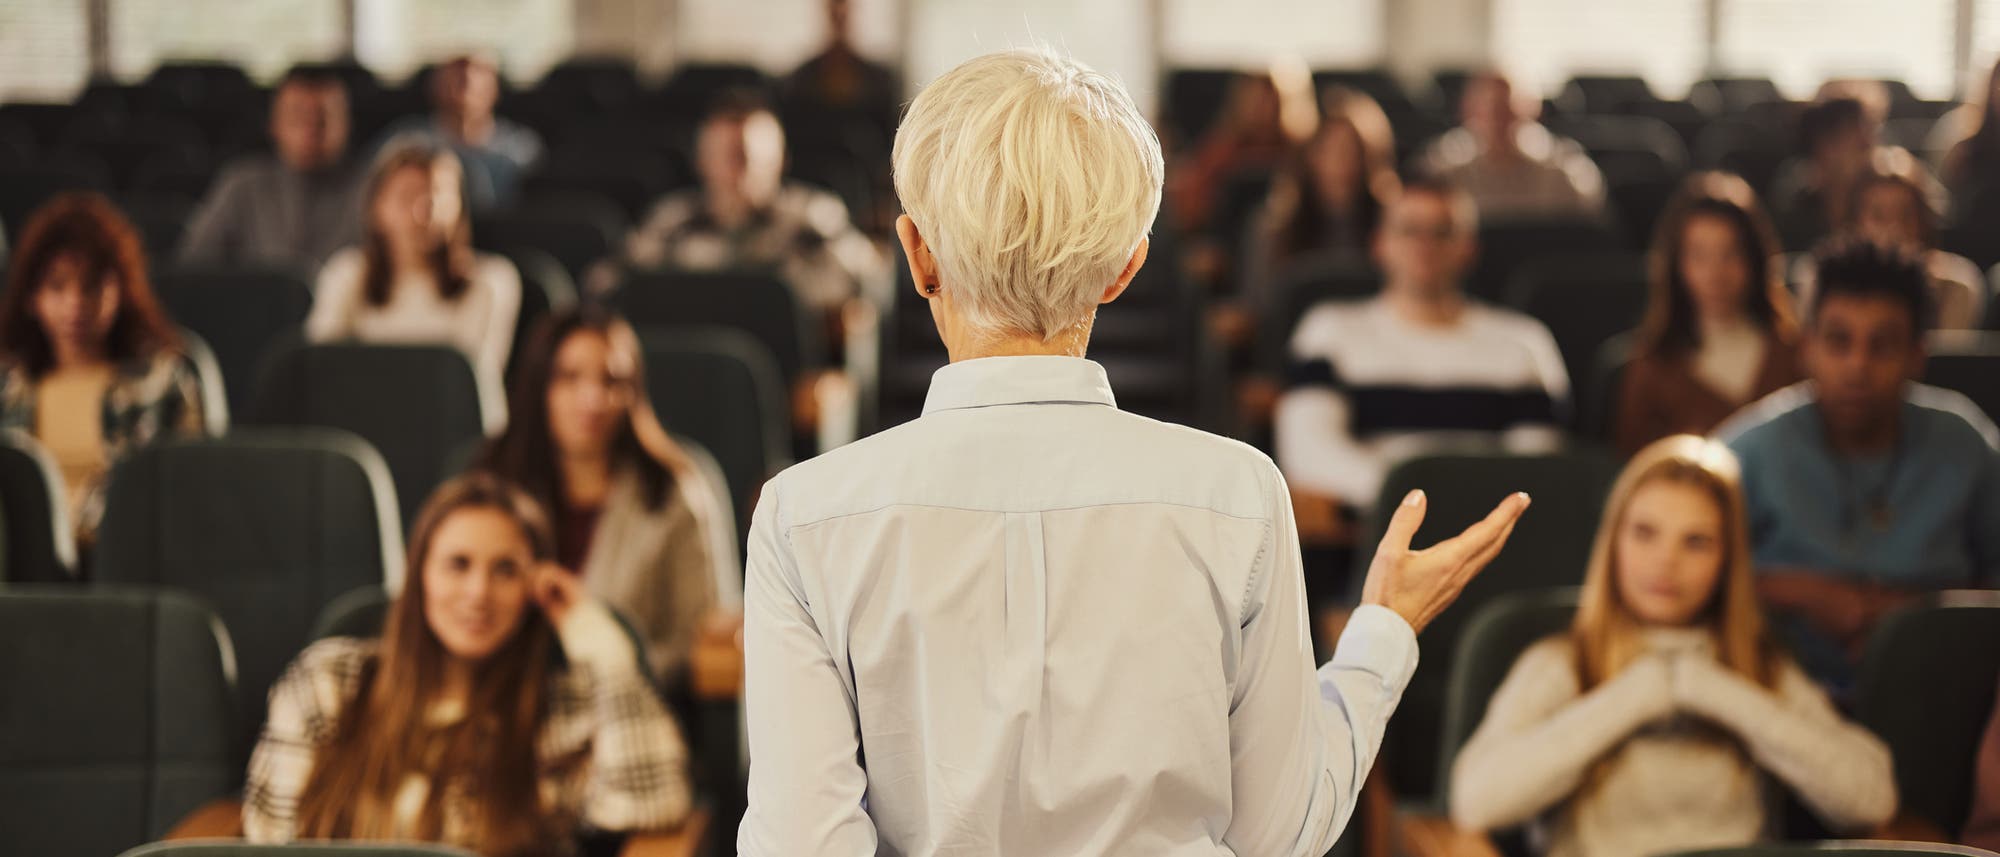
<point>295,849</point>
<point>1968,363</point>
<point>577,229</point>
<point>1506,245</point>
<point>267,526</point>
<point>40,547</point>
<point>240,313</point>
<point>1549,548</point>
<point>1926,687</point>
<point>1493,640</point>
<point>118,717</point>
<point>757,303</point>
<point>414,404</point>
<point>1585,300</point>
<point>721,388</point>
<point>208,374</point>
<point>1861,848</point>
<point>1595,418</point>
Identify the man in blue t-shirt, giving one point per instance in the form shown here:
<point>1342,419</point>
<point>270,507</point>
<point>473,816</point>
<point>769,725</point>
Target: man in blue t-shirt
<point>1864,487</point>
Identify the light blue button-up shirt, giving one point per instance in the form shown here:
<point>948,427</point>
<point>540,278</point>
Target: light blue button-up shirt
<point>1030,623</point>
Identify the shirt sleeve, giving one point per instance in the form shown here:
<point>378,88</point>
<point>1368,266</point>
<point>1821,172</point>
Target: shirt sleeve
<point>213,224</point>
<point>1302,743</point>
<point>638,776</point>
<point>493,336</point>
<point>299,719</point>
<point>335,295</point>
<point>807,786</point>
<point>1539,737</point>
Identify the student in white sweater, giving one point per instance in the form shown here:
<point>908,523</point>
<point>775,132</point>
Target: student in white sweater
<point>1419,369</point>
<point>415,280</point>
<point>1662,720</point>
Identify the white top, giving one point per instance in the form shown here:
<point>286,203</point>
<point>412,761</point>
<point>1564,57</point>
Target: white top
<point>1030,623</point>
<point>1369,390</point>
<point>1729,359</point>
<point>1674,753</point>
<point>480,322</point>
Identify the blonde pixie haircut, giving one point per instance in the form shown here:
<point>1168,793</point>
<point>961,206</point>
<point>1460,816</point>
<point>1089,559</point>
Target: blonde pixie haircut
<point>1032,179</point>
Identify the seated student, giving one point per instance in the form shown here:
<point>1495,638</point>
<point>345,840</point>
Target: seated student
<point>1982,824</point>
<point>1513,166</point>
<point>746,215</point>
<point>1719,333</point>
<point>89,364</point>
<point>496,153</point>
<point>415,280</point>
<point>1261,122</point>
<point>1865,487</point>
<point>502,710</point>
<point>635,516</point>
<point>1419,369</point>
<point>1328,198</point>
<point>291,208</point>
<point>1838,136</point>
<point>1659,720</point>
<point>1896,202</point>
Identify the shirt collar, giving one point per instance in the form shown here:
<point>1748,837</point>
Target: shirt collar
<point>990,381</point>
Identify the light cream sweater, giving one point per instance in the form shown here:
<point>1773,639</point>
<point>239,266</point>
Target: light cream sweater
<point>1691,751</point>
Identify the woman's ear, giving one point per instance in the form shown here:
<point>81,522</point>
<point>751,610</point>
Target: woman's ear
<point>923,267</point>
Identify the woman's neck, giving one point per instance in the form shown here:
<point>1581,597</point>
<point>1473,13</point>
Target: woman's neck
<point>407,256</point>
<point>456,688</point>
<point>586,478</point>
<point>79,358</point>
<point>1724,324</point>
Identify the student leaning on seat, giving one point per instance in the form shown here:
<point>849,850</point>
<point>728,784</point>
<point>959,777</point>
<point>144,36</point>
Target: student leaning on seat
<point>89,364</point>
<point>1656,723</point>
<point>503,709</point>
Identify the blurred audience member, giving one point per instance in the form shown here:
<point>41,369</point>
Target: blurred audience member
<point>746,215</point>
<point>89,364</point>
<point>1262,121</point>
<point>1838,137</point>
<point>1660,721</point>
<point>1417,370</point>
<point>1896,202</point>
<point>839,80</point>
<point>1982,824</point>
<point>502,709</point>
<point>635,515</point>
<point>414,279</point>
<point>1513,165</point>
<point>291,208</point>
<point>1973,161</point>
<point>495,153</point>
<point>1865,487</point>
<point>1328,199</point>
<point>1719,333</point>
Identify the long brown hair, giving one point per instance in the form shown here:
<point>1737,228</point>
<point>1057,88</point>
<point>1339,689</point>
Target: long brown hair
<point>1669,326</point>
<point>451,262</point>
<point>87,227</point>
<point>488,757</point>
<point>526,453</point>
<point>1295,200</point>
<point>1605,633</point>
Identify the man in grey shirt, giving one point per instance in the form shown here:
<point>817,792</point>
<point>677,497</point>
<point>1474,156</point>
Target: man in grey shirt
<point>293,207</point>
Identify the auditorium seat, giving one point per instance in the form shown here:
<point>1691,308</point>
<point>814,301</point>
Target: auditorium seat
<point>1926,688</point>
<point>415,404</point>
<point>545,287</point>
<point>1744,148</point>
<point>1724,95</point>
<point>40,547</point>
<point>1301,285</point>
<point>1603,93</point>
<point>576,228</point>
<point>1968,363</point>
<point>24,187</point>
<point>1598,409</point>
<point>117,721</point>
<point>721,388</point>
<point>1506,245</point>
<point>1193,99</point>
<point>240,312</point>
<point>159,218</point>
<point>1494,638</point>
<point>1549,548</point>
<point>1585,300</point>
<point>208,377</point>
<point>755,302</point>
<point>267,526</point>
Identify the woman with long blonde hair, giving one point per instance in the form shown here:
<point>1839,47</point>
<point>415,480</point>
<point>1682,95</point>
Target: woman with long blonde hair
<point>1660,720</point>
<point>502,710</point>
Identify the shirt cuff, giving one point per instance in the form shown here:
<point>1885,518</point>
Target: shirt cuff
<point>1380,642</point>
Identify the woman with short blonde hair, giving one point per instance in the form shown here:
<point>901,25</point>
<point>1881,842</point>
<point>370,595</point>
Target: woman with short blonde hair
<point>1028,622</point>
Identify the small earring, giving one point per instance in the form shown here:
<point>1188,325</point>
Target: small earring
<point>930,288</point>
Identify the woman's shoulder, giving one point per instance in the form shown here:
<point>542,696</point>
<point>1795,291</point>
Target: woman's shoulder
<point>496,275</point>
<point>1549,660</point>
<point>338,657</point>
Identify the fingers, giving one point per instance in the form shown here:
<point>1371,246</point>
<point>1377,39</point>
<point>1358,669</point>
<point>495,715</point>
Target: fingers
<point>1403,525</point>
<point>1491,533</point>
